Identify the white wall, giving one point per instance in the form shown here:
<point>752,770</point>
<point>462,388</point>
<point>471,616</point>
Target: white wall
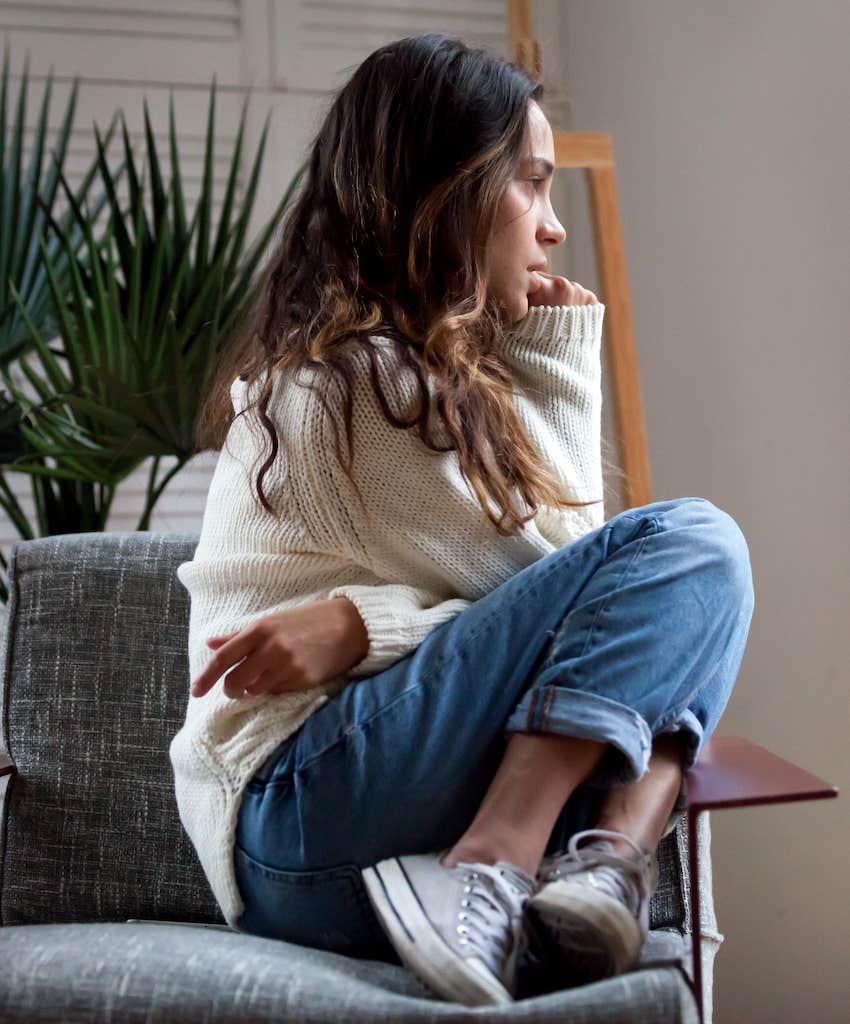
<point>731,133</point>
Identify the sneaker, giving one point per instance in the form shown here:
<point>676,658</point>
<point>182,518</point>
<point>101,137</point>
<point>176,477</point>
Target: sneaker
<point>591,912</point>
<point>460,930</point>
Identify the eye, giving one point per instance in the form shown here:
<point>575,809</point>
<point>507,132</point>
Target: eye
<point>537,181</point>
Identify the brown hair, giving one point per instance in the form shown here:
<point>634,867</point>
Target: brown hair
<point>387,237</point>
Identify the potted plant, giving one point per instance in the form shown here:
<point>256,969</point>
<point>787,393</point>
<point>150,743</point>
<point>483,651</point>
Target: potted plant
<point>142,317</point>
<point>27,205</point>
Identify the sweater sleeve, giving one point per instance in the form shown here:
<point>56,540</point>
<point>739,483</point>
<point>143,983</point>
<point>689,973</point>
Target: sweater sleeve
<point>554,353</point>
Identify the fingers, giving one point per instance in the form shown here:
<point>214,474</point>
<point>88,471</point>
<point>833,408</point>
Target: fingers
<point>559,291</point>
<point>267,681</point>
<point>268,656</point>
<point>582,296</point>
<point>250,678</point>
<point>264,683</point>
<point>228,655</point>
<point>245,682</point>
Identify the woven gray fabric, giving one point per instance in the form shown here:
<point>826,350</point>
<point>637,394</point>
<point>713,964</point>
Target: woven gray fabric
<point>94,687</point>
<point>667,908</point>
<point>157,973</point>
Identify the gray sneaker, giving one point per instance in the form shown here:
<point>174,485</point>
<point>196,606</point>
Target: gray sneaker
<point>460,930</point>
<point>591,912</point>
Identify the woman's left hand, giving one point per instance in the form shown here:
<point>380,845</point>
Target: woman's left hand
<point>296,649</point>
<point>558,291</point>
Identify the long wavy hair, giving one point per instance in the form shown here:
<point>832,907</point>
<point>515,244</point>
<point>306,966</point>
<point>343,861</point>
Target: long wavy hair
<point>387,237</point>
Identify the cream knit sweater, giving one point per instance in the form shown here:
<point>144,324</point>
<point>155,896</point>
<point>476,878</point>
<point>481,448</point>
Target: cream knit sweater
<point>424,554</point>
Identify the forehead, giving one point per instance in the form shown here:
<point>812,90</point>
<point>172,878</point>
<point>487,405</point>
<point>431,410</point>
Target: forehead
<point>539,132</point>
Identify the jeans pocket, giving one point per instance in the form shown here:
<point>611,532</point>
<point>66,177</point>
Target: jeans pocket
<point>326,908</point>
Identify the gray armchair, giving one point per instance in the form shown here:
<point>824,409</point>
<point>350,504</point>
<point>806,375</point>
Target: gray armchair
<point>105,912</point>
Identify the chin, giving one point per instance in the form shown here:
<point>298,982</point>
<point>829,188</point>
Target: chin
<point>512,311</point>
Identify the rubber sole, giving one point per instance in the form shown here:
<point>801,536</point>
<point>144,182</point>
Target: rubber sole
<point>592,937</point>
<point>421,947</point>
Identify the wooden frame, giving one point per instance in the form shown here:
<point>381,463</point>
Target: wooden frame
<point>593,152</point>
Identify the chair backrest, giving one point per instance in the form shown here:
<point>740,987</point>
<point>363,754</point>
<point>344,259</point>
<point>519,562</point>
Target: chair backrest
<point>94,686</point>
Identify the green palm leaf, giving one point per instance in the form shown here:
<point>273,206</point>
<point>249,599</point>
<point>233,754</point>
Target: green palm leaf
<point>26,205</point>
<point>142,311</point>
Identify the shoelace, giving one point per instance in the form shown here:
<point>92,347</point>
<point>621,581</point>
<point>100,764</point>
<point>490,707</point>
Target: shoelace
<point>494,896</point>
<point>625,879</point>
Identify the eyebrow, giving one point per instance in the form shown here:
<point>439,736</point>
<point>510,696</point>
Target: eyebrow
<point>547,166</point>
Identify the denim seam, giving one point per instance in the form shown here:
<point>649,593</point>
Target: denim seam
<point>632,717</point>
<point>622,580</point>
<point>677,712</point>
<point>531,706</point>
<point>547,704</point>
<point>669,719</point>
<point>300,876</point>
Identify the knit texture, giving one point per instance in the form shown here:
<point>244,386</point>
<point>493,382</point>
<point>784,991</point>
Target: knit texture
<point>416,553</point>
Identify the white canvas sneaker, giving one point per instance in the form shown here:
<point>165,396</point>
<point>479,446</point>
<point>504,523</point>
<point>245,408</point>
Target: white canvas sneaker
<point>591,912</point>
<point>460,930</point>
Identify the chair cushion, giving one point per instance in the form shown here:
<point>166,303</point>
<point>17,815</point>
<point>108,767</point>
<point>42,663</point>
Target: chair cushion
<point>164,972</point>
<point>94,686</point>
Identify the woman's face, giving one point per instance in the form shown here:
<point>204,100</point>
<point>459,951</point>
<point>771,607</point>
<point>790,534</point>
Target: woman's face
<point>526,225</point>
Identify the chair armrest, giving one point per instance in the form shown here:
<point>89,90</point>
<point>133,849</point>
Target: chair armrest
<point>7,765</point>
<point>734,772</point>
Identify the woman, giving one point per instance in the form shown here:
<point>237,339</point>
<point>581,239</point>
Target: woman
<point>440,707</point>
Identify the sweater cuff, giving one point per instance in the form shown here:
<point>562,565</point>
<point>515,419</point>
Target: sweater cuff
<point>395,625</point>
<point>551,330</point>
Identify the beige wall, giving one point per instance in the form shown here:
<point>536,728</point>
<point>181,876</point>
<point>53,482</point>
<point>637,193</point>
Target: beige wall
<point>732,137</point>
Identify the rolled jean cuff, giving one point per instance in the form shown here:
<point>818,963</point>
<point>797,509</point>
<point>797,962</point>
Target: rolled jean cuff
<point>558,709</point>
<point>693,736</point>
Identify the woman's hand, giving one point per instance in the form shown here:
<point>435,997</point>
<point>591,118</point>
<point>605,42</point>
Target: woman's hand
<point>558,291</point>
<point>296,649</point>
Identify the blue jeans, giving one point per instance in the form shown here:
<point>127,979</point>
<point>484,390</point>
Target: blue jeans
<point>636,629</point>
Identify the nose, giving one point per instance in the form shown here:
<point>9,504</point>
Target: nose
<point>551,231</point>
